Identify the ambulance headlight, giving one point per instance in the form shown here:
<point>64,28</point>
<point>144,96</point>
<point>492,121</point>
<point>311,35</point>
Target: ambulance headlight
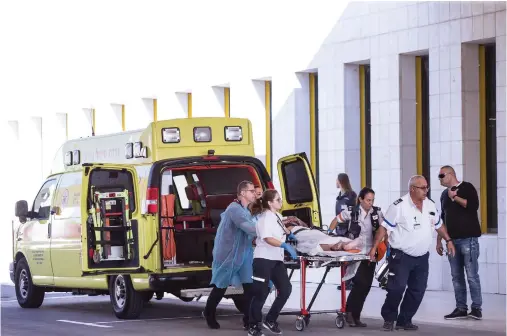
<point>68,159</point>
<point>129,150</point>
<point>202,134</point>
<point>233,133</point>
<point>171,135</point>
<point>76,158</point>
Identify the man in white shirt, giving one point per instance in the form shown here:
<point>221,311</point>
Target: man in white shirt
<point>409,222</point>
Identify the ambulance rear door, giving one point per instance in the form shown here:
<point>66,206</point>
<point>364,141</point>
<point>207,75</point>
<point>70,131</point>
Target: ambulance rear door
<point>110,209</point>
<point>299,189</point>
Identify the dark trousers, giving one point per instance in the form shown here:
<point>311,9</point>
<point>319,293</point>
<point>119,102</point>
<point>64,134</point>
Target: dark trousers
<point>407,272</point>
<point>362,284</point>
<point>265,270</point>
<point>217,294</point>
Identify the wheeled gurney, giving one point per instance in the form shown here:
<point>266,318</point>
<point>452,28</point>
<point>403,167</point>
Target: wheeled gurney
<point>338,259</point>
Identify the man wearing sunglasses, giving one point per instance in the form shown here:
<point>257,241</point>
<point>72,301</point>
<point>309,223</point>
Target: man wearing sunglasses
<point>460,203</point>
<point>409,221</point>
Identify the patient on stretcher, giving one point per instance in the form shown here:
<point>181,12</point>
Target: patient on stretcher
<point>314,241</point>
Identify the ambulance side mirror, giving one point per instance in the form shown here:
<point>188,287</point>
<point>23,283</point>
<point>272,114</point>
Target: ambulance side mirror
<point>21,210</point>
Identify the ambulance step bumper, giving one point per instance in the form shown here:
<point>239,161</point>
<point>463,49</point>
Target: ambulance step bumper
<point>198,292</point>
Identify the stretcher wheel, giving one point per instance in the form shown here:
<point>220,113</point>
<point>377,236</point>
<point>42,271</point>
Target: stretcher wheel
<point>300,323</point>
<point>307,320</point>
<point>339,321</point>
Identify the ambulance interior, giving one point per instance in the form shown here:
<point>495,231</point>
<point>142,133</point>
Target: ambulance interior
<point>192,200</point>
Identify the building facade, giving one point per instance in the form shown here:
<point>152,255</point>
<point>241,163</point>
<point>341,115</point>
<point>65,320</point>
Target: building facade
<point>379,90</point>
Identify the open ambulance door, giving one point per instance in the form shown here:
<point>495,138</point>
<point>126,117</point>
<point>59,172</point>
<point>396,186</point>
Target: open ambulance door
<point>299,190</point>
<point>109,225</point>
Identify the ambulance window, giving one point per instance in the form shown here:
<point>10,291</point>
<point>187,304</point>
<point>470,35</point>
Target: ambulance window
<point>109,180</point>
<point>42,203</point>
<point>181,182</point>
<point>297,183</point>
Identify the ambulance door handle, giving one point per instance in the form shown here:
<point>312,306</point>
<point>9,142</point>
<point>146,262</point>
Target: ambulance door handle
<point>49,230</point>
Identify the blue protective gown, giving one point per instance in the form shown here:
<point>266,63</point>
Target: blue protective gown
<point>233,250</point>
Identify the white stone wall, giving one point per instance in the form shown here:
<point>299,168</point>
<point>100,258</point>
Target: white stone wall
<point>388,36</point>
<point>323,37</point>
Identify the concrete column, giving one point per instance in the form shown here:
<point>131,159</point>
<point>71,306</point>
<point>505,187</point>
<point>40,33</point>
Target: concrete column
<point>408,150</point>
<point>138,112</point>
<point>54,133</point>
<point>385,129</point>
<point>352,126</point>
<point>331,134</point>
<point>471,171</point>
<point>250,94</point>
<point>291,117</point>
<point>501,145</point>
<point>207,101</point>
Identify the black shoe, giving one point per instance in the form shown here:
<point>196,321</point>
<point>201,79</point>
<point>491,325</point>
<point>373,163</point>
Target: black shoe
<point>476,313</point>
<point>388,326</point>
<point>273,327</point>
<point>210,320</point>
<point>407,326</point>
<point>255,331</point>
<point>456,314</point>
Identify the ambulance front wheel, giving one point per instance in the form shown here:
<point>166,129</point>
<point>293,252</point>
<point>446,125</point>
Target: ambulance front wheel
<point>28,295</point>
<point>126,301</point>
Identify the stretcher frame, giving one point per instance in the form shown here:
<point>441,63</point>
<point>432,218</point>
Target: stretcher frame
<point>304,261</point>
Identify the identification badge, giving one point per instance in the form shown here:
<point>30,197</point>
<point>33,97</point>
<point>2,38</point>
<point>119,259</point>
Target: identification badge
<point>417,225</point>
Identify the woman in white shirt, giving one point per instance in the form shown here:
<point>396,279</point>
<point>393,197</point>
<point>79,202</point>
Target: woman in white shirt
<point>268,263</point>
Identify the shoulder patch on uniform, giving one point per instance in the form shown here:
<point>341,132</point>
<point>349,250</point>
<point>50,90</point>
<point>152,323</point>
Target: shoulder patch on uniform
<point>398,201</point>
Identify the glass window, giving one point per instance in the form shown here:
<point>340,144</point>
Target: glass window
<point>181,182</point>
<point>42,203</point>
<point>297,183</point>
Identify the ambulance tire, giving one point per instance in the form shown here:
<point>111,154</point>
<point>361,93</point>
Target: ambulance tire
<point>126,301</point>
<point>28,294</point>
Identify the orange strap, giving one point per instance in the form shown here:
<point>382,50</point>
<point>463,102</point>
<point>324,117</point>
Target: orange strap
<point>167,211</point>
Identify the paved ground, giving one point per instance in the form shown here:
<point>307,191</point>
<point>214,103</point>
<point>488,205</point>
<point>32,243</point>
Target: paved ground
<point>62,314</point>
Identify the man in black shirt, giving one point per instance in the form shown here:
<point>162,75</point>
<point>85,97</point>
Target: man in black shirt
<point>460,203</point>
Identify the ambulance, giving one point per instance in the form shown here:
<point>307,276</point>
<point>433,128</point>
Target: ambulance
<point>134,214</point>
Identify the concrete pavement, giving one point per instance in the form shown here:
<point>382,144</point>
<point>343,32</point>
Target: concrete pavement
<point>62,314</point>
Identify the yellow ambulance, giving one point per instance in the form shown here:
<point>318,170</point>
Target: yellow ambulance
<point>135,214</point>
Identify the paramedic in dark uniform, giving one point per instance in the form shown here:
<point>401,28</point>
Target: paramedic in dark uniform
<point>409,221</point>
<point>346,198</point>
<point>365,219</point>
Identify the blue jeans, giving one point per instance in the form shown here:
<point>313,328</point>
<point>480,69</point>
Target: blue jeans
<point>466,259</point>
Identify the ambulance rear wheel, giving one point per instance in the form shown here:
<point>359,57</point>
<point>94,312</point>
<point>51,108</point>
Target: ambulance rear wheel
<point>126,301</point>
<point>28,295</point>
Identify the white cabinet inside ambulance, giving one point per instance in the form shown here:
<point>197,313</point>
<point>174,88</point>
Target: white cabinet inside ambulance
<point>134,215</point>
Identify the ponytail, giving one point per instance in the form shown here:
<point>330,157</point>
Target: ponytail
<point>261,204</point>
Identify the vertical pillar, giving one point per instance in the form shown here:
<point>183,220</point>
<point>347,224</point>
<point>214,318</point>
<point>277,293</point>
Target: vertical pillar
<point>290,117</point>
<point>251,95</point>
<point>314,124</point>
<point>352,126</point>
<point>268,116</point>
<point>227,102</point>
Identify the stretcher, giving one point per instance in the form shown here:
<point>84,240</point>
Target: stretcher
<point>334,259</point>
